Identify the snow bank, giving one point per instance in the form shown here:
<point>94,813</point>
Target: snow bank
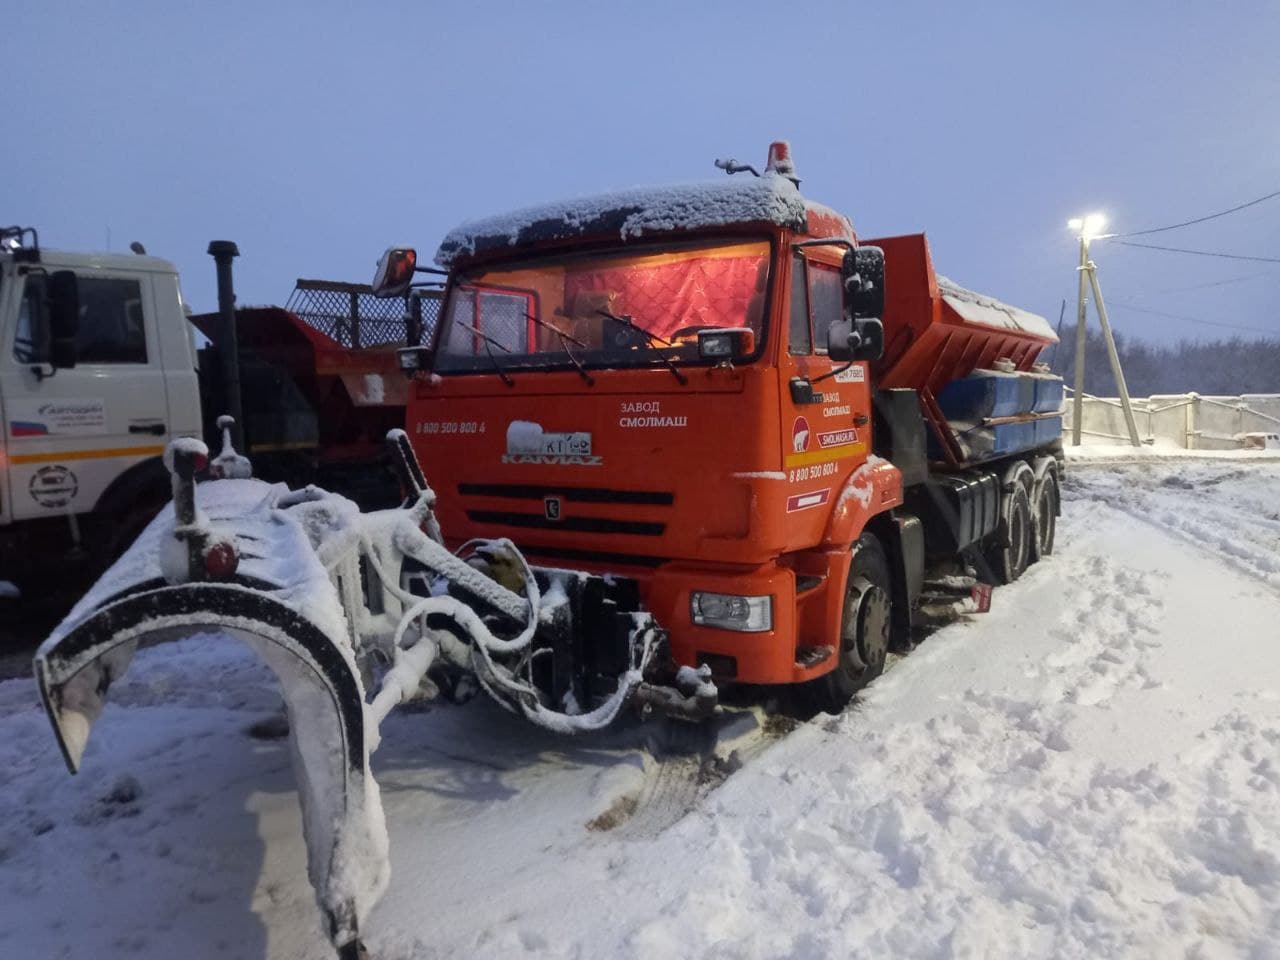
<point>1159,452</point>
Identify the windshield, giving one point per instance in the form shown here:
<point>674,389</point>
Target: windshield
<point>615,308</point>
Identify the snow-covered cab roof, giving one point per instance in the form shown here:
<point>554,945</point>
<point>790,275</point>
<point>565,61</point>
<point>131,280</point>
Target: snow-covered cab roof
<point>771,198</point>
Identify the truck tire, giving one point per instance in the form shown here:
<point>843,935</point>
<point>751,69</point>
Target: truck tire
<point>1010,548</point>
<point>1044,516</point>
<point>864,631</point>
<point>127,527</point>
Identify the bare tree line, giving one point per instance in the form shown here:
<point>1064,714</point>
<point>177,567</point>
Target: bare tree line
<point>1218,367</point>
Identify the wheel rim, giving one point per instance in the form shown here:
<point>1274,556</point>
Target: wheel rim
<point>1045,518</point>
<point>1018,540</point>
<point>867,642</point>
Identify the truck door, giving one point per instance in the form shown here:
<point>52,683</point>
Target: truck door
<point>71,432</point>
<point>826,439</point>
<point>10,292</point>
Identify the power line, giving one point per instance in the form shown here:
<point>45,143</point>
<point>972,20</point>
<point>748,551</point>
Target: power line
<point>1194,286</point>
<point>1199,253</point>
<point>1212,216</point>
<point>1210,323</point>
<point>1147,295</point>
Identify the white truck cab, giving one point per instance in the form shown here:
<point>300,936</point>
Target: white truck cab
<point>83,423</point>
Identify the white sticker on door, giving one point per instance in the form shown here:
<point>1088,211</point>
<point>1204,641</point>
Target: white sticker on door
<point>78,417</point>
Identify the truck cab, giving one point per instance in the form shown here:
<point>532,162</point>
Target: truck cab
<point>97,373</point>
<point>690,389</point>
<point>642,384</point>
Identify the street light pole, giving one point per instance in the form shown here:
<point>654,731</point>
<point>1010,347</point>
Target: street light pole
<point>1112,355</point>
<point>1077,403</point>
<point>1090,228</point>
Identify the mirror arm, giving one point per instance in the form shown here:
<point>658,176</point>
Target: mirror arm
<point>834,372</point>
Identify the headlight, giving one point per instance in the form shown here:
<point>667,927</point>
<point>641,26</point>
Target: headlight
<point>730,612</point>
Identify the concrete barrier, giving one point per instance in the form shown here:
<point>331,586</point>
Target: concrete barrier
<point>1186,420</point>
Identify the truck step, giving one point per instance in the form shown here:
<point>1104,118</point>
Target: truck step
<point>807,657</point>
<point>807,582</point>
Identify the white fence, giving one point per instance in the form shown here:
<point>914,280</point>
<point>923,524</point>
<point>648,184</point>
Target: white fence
<point>1186,420</point>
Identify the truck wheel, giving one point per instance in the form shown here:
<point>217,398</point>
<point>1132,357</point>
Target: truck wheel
<point>1010,549</point>
<point>127,527</point>
<point>1044,512</point>
<point>864,630</point>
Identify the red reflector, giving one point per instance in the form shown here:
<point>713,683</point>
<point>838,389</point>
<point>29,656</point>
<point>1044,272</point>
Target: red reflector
<point>221,560</point>
<point>981,594</point>
<point>201,461</point>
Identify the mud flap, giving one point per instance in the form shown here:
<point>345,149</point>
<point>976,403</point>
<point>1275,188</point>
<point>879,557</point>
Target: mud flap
<point>342,818</point>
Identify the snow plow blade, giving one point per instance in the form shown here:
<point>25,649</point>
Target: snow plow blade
<point>321,692</point>
<point>324,594</point>
<point>261,604</point>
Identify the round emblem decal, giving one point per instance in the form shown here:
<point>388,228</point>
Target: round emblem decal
<point>53,486</point>
<point>800,435</point>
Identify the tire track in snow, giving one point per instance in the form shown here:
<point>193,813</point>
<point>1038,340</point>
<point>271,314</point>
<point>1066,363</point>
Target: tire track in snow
<point>705,756</point>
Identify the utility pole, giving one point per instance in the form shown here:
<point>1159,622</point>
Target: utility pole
<point>1088,270</point>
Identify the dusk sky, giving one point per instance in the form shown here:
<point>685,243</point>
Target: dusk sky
<point>316,134</point>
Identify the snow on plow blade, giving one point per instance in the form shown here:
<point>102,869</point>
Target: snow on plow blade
<point>321,593</point>
<point>283,605</point>
<point>322,695</point>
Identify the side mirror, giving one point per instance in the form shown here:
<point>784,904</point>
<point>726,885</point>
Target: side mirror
<point>59,317</point>
<point>861,339</point>
<point>871,334</point>
<point>395,272</point>
<point>863,275</point>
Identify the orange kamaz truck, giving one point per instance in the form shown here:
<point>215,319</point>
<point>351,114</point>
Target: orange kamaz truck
<point>796,444</point>
<point>677,439</point>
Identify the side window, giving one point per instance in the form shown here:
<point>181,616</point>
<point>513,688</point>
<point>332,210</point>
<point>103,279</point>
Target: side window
<point>112,329</point>
<point>504,316</point>
<point>826,300</point>
<point>462,308</point>
<point>798,335</point>
<point>111,321</point>
<point>25,348</point>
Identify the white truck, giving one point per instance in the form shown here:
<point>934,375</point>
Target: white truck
<point>100,368</point>
<point>98,371</point>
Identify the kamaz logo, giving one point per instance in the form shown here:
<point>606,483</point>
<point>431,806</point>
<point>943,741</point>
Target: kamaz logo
<point>551,507</point>
<point>554,459</point>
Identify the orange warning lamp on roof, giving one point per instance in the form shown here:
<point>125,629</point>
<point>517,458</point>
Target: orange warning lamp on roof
<point>780,161</point>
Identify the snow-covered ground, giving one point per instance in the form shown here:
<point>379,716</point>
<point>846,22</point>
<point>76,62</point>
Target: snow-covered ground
<point>1090,770</point>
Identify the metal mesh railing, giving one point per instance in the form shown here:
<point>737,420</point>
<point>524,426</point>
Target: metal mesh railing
<point>350,314</point>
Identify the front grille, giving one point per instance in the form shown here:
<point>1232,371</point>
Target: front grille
<point>641,528</point>
<point>522,491</point>
<point>592,556</point>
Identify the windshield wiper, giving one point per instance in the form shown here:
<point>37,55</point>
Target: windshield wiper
<point>489,350</point>
<point>564,342</point>
<point>647,338</point>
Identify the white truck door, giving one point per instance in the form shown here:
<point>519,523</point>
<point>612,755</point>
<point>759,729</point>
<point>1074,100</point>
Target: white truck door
<point>70,434</point>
